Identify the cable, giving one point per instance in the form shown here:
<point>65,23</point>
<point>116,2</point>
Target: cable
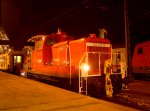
<point>57,17</point>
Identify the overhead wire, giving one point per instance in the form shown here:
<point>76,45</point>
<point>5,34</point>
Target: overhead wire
<point>56,18</point>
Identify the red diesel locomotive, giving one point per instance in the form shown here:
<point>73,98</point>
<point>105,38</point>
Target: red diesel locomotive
<point>84,64</point>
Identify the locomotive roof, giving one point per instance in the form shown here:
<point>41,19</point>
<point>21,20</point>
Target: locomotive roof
<point>59,35</point>
<point>147,43</point>
<point>92,39</point>
<point>36,38</point>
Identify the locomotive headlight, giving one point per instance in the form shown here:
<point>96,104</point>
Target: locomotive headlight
<point>85,67</point>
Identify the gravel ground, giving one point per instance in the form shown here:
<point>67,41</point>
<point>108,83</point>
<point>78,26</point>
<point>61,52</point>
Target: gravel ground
<point>140,102</point>
<point>137,95</point>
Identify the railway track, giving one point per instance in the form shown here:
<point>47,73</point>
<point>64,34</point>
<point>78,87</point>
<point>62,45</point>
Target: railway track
<point>137,95</point>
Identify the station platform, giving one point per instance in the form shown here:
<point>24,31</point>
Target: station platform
<point>21,94</point>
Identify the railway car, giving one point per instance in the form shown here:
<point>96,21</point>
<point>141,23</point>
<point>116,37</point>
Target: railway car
<point>141,61</point>
<point>12,61</point>
<point>84,65</point>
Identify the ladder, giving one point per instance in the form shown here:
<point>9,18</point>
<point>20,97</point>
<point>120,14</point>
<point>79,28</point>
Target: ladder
<point>83,84</point>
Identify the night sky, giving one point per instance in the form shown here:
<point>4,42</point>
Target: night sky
<point>24,18</point>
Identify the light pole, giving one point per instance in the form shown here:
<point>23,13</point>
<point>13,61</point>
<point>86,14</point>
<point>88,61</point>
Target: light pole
<point>127,38</point>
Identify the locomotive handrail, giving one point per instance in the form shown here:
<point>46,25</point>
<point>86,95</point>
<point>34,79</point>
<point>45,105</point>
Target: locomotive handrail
<point>80,82</point>
<point>86,75</point>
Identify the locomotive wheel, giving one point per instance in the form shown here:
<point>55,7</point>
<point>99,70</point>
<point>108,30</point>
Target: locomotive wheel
<point>97,88</point>
<point>116,83</point>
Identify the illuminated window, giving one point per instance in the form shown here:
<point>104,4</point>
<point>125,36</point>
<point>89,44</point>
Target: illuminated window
<point>17,59</point>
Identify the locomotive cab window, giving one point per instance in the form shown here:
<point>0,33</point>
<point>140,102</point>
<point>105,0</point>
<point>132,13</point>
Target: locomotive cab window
<point>140,50</point>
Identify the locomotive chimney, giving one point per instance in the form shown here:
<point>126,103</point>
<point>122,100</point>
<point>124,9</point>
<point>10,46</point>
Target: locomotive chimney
<point>60,32</point>
<point>102,33</point>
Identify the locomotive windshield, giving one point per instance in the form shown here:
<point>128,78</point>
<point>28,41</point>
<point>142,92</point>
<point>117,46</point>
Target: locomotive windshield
<point>97,54</point>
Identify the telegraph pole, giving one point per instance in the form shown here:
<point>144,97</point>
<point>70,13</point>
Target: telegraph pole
<point>127,38</point>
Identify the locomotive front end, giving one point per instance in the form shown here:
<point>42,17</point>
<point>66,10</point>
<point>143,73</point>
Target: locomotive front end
<point>95,75</point>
